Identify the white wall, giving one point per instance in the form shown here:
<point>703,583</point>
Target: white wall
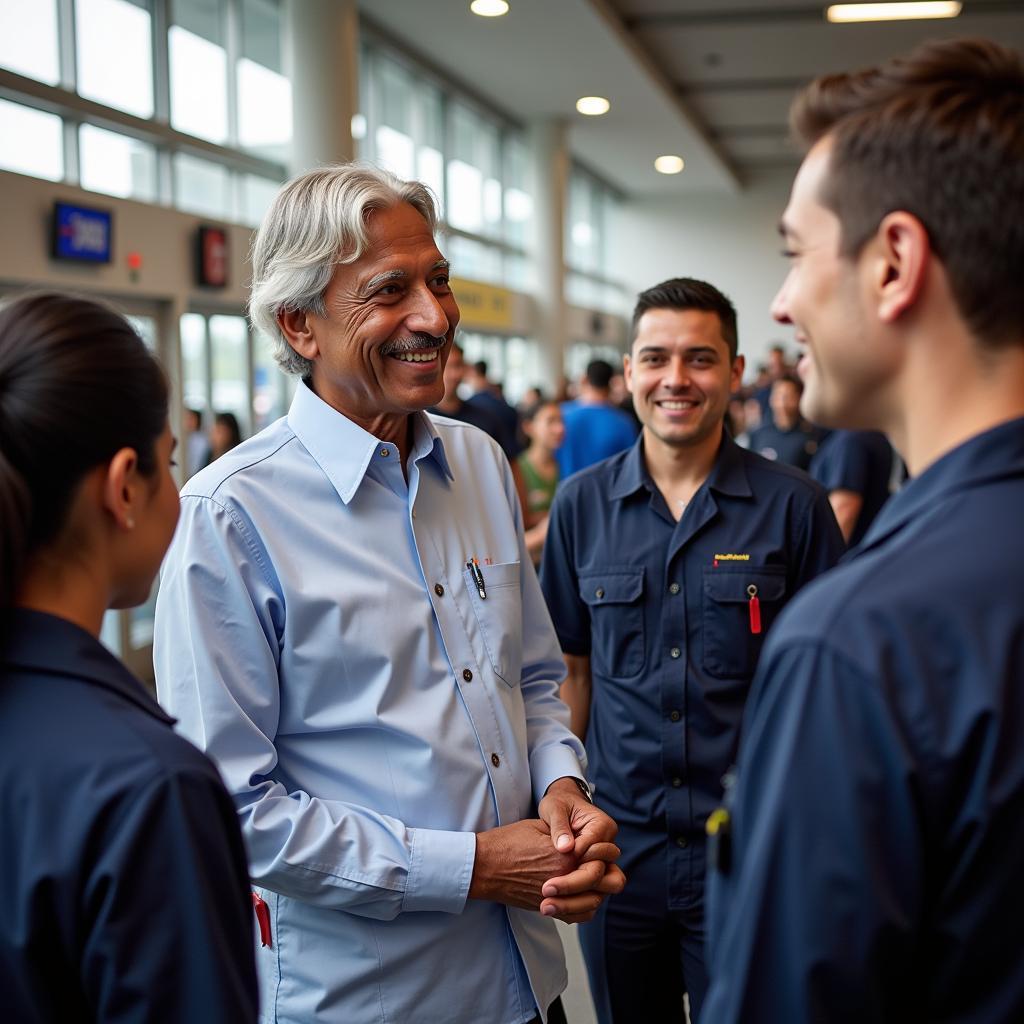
<point>730,241</point>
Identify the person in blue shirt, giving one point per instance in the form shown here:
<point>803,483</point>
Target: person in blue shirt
<point>594,427</point>
<point>664,568</point>
<point>123,879</point>
<point>855,467</point>
<point>348,623</point>
<point>868,859</point>
<point>786,437</point>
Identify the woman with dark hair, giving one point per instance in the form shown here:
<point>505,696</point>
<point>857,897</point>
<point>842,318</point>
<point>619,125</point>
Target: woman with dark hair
<point>122,872</point>
<point>543,425</point>
<point>224,435</point>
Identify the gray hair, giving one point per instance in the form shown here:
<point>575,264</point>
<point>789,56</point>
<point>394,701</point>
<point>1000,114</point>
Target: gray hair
<point>318,220</point>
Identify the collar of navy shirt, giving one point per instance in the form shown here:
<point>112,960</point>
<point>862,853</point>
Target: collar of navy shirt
<point>46,644</point>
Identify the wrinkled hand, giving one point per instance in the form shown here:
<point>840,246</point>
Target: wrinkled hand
<point>576,897</point>
<point>575,823</point>
<point>514,861</point>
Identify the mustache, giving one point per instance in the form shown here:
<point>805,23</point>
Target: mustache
<point>414,343</point>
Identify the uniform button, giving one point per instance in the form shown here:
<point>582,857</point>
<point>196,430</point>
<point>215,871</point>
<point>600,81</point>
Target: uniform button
<point>677,782</point>
<point>495,760</point>
<point>675,652</point>
<point>439,590</point>
<point>675,716</point>
<point>467,675</point>
<point>599,593</point>
<point>385,452</point>
<point>681,842</point>
<point>673,588</point>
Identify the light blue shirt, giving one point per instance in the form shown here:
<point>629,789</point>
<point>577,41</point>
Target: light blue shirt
<point>319,636</point>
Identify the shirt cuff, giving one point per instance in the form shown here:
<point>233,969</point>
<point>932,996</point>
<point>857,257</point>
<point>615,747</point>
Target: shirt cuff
<point>440,870</point>
<point>552,763</point>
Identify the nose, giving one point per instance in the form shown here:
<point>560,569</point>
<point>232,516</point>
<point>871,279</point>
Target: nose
<point>780,304</point>
<point>677,373</point>
<point>428,315</point>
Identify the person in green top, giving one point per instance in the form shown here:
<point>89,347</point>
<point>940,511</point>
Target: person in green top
<point>543,426</point>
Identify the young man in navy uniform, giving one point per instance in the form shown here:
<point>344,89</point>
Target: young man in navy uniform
<point>869,856</point>
<point>664,567</point>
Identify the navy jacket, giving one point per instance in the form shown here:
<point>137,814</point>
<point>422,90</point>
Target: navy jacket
<point>877,862</point>
<point>123,882</point>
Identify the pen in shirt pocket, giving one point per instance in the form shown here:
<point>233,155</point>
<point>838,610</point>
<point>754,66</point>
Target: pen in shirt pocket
<point>478,577</point>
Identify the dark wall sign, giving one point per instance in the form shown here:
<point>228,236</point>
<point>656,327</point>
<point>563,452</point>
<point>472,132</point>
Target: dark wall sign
<point>212,257</point>
<point>81,233</point>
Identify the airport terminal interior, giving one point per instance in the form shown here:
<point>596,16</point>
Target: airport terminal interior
<point>580,151</point>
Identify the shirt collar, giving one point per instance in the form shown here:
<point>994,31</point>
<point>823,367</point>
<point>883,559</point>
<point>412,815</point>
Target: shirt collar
<point>727,476</point>
<point>343,450</point>
<point>995,454</point>
<point>44,643</point>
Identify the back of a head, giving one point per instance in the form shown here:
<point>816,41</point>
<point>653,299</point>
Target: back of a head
<point>599,374</point>
<point>686,293</point>
<point>938,134</point>
<point>77,385</point>
<point>316,221</point>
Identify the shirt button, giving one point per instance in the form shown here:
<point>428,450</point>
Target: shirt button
<point>675,716</point>
<point>677,782</point>
<point>673,588</point>
<point>495,760</point>
<point>681,842</point>
<point>675,652</point>
<point>439,590</point>
<point>385,452</point>
<point>599,593</point>
<point>467,675</point>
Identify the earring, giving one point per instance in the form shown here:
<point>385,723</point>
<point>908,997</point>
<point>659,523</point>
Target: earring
<point>130,523</point>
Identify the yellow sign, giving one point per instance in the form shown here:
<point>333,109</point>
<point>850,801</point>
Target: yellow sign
<point>483,306</point>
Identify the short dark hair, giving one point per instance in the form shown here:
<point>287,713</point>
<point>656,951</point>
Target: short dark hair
<point>790,378</point>
<point>684,293</point>
<point>938,134</point>
<point>599,374</point>
<point>77,384</point>
<point>529,413</point>
<point>480,366</point>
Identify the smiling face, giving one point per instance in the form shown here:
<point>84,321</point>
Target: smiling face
<point>379,352</point>
<point>680,375</point>
<point>845,364</point>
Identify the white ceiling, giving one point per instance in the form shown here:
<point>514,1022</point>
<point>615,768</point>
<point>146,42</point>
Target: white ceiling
<point>710,80</point>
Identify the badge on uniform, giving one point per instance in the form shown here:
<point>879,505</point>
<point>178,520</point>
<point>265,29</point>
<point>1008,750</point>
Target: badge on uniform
<point>719,830</point>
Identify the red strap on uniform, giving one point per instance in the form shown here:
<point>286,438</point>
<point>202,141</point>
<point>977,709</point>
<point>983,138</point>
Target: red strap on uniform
<point>755,614</point>
<point>263,917</point>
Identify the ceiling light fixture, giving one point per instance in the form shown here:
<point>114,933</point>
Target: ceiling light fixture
<point>669,164</point>
<point>489,8</point>
<point>846,13</point>
<point>593,106</point>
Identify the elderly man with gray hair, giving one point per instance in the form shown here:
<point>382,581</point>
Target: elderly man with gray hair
<point>349,625</point>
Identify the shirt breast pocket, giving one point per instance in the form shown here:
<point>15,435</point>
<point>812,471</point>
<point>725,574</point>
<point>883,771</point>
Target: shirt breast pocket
<point>500,617</point>
<point>731,644</point>
<point>614,598</point>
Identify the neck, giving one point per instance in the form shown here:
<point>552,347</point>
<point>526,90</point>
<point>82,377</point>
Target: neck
<point>679,470</point>
<point>954,393</point>
<point>451,403</point>
<point>75,592</point>
<point>785,422</point>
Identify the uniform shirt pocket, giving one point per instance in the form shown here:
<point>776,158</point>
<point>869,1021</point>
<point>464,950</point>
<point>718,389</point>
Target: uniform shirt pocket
<point>500,617</point>
<point>614,598</point>
<point>731,646</point>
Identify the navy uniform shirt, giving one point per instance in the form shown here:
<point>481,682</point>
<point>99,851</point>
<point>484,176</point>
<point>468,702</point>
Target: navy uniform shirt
<point>794,447</point>
<point>858,461</point>
<point>663,610</point>
<point>123,881</point>
<point>878,818</point>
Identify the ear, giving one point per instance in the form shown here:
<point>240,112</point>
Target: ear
<point>123,488</point>
<point>739,364</point>
<point>627,372</point>
<point>298,331</point>
<point>898,260</point>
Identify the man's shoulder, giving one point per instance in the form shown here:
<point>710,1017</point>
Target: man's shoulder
<point>258,454</point>
<point>769,476</point>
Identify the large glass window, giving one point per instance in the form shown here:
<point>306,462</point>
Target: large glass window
<point>271,389</point>
<point>589,211</point>
<point>31,141</point>
<point>116,164</point>
<point>474,185</point>
<point>198,69</point>
<point>115,53</point>
<point>264,93</point>
<point>28,39</point>
<point>201,186</point>
<point>195,368</point>
<point>229,359</point>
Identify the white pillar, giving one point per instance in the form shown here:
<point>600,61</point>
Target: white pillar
<point>323,65</point>
<point>549,150</point>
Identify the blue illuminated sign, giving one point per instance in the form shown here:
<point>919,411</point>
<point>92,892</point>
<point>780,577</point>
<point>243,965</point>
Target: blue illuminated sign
<point>81,233</point>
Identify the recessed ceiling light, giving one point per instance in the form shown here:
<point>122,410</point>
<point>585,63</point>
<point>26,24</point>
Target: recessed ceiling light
<point>844,13</point>
<point>489,8</point>
<point>592,106</point>
<point>669,164</point>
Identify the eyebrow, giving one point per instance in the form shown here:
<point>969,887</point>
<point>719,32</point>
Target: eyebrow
<point>691,350</point>
<point>397,274</point>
